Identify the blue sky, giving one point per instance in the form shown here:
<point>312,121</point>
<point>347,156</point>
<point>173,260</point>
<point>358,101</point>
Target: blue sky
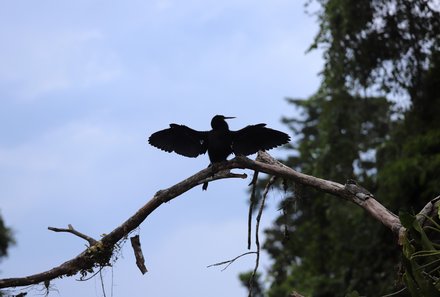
<point>82,86</point>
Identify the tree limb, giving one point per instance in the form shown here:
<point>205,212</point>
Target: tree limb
<point>72,230</point>
<point>99,253</point>
<point>370,205</point>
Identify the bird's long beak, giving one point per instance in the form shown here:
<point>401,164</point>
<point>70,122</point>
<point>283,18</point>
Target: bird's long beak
<point>229,118</point>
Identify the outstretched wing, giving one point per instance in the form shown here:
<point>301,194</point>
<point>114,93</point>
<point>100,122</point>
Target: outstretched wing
<point>253,138</point>
<point>180,139</point>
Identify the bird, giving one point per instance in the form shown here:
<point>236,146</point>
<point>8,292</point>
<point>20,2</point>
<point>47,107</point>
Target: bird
<point>219,142</point>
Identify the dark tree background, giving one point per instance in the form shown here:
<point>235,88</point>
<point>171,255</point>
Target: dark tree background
<point>6,238</point>
<point>376,52</point>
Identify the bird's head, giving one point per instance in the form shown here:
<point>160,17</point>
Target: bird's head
<point>218,122</point>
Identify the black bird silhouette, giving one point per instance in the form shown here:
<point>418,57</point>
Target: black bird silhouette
<point>220,142</point>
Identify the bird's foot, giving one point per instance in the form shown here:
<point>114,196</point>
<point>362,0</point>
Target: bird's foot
<point>215,174</point>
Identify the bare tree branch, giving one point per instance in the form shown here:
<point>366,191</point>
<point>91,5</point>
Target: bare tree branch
<point>140,261</point>
<point>257,231</point>
<point>265,163</point>
<point>428,210</point>
<point>99,253</point>
<point>72,230</point>
<point>251,206</point>
<point>229,262</point>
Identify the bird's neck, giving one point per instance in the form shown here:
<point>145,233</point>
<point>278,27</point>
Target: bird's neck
<point>225,128</point>
<point>220,126</point>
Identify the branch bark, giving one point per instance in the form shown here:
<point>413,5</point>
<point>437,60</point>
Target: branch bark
<point>99,252</point>
<point>140,261</point>
<point>72,230</point>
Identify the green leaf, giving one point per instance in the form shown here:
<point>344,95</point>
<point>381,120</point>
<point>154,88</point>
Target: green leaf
<point>411,285</point>
<point>424,240</point>
<point>406,219</point>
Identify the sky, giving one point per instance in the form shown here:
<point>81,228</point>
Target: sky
<point>82,86</point>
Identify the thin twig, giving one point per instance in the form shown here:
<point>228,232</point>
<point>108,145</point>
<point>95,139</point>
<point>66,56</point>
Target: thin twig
<point>102,283</point>
<point>252,201</point>
<point>72,230</point>
<point>229,262</point>
<point>257,230</point>
<point>111,290</point>
<point>84,279</point>
<point>395,293</point>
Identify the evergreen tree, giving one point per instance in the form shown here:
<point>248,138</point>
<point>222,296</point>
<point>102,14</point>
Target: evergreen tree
<point>409,162</point>
<point>6,238</point>
<point>332,247</point>
<point>324,247</point>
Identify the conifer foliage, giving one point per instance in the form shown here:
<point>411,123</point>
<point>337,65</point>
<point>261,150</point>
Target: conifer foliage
<point>377,53</point>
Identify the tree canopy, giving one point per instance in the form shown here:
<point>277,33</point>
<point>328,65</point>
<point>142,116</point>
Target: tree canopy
<point>376,53</point>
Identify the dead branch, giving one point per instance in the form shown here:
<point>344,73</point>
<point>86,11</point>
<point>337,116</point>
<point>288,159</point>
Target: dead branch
<point>99,253</point>
<point>267,164</point>
<point>140,261</point>
<point>257,231</point>
<point>229,262</point>
<point>427,211</point>
<point>253,183</point>
<point>72,230</point>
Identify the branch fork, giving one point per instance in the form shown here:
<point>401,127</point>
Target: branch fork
<point>72,230</point>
